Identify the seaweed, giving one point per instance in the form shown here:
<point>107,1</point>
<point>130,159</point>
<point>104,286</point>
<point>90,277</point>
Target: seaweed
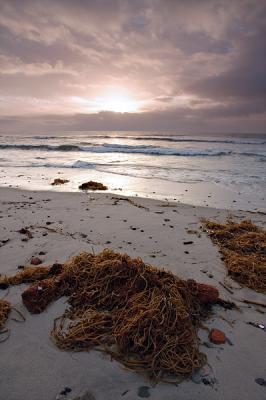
<point>91,185</point>
<point>5,308</point>
<point>243,246</point>
<point>144,317</point>
<point>29,275</point>
<point>59,181</point>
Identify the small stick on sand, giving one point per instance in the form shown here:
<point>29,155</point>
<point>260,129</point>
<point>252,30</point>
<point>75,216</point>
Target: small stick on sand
<point>227,288</point>
<point>256,303</point>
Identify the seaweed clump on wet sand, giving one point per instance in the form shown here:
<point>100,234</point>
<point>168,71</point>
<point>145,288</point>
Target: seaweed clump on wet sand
<point>5,308</point>
<point>92,185</point>
<point>59,181</point>
<point>243,246</point>
<point>30,275</point>
<point>144,317</point>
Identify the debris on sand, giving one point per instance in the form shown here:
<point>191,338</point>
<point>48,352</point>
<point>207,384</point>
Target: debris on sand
<point>243,246</point>
<point>5,308</point>
<point>25,231</point>
<point>59,181</point>
<point>91,185</point>
<point>144,317</point>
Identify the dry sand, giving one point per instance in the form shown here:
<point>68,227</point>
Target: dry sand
<point>63,224</point>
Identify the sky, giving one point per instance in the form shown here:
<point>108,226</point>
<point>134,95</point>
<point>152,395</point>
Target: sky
<point>183,65</point>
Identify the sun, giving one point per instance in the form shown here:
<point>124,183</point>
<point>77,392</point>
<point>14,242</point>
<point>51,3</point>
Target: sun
<point>117,100</point>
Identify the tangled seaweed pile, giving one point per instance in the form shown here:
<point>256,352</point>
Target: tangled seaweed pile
<point>144,317</point>
<point>5,308</point>
<point>91,185</point>
<point>243,246</point>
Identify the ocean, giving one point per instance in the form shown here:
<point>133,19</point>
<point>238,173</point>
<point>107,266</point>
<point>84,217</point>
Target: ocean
<point>208,170</point>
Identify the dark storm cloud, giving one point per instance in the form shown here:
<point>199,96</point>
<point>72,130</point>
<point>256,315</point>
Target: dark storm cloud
<point>186,61</point>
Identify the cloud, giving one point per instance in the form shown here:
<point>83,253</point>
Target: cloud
<point>185,61</point>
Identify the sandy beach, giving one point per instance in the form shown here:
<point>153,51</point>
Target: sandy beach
<point>64,224</point>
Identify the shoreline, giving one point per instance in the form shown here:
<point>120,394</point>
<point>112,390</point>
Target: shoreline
<point>193,194</point>
<point>60,189</point>
<point>63,224</point>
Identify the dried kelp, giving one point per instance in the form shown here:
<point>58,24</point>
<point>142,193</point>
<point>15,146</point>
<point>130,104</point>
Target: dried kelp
<point>144,317</point>
<point>5,308</point>
<point>59,181</point>
<point>243,246</point>
<point>29,275</point>
<point>91,185</point>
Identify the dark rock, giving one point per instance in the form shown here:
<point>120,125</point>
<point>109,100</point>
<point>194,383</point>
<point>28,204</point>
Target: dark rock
<point>260,381</point>
<point>3,286</point>
<point>144,391</point>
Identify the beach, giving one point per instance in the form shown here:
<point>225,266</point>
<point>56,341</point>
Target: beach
<point>132,200</point>
<point>163,233</point>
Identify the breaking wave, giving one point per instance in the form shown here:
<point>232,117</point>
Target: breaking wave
<point>117,148</point>
<point>131,149</point>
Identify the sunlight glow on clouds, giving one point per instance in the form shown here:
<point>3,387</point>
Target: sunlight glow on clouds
<point>153,63</point>
<point>115,99</point>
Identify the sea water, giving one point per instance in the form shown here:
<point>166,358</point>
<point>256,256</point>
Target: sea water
<point>214,170</point>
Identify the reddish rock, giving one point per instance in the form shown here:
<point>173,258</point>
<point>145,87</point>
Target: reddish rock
<point>217,337</point>
<point>207,293</point>
<point>35,261</point>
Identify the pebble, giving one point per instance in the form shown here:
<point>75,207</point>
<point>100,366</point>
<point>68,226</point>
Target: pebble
<point>144,392</point>
<point>35,261</point>
<point>260,381</point>
<point>217,337</point>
